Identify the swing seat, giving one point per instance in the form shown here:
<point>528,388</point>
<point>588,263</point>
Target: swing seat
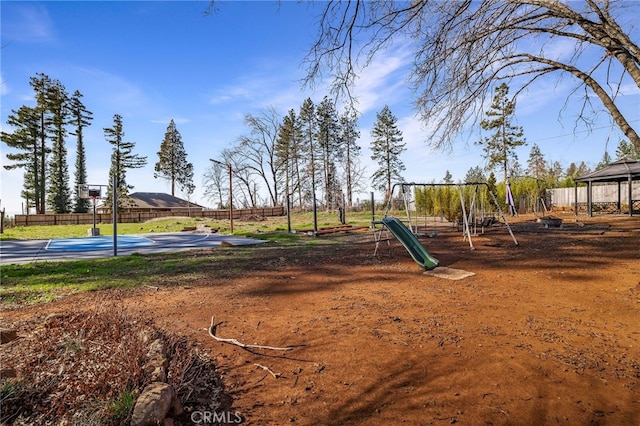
<point>488,221</point>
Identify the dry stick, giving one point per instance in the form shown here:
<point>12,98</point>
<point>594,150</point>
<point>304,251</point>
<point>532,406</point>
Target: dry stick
<point>267,369</point>
<point>212,333</point>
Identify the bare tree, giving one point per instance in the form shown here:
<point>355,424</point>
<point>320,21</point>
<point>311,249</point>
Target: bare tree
<point>463,47</point>
<point>258,151</point>
<point>215,182</point>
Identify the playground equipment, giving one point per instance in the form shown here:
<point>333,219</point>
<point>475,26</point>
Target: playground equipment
<point>408,240</point>
<point>471,213</point>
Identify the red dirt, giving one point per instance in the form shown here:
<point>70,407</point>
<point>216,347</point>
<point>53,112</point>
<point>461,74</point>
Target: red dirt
<point>546,332</point>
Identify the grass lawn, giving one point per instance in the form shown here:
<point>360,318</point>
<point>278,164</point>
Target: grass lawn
<point>45,281</point>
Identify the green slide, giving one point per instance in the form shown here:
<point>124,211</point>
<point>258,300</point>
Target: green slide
<point>411,243</point>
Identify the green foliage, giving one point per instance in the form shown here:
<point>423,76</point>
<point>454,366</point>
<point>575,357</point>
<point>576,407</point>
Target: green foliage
<point>46,281</point>
<point>59,197</point>
<point>605,161</point>
<point>475,174</point>
<point>122,406</point>
<point>443,201</point>
<point>351,150</point>
<point>386,147</point>
<point>328,137</point>
<point>536,165</point>
<point>499,148</point>
<point>122,159</point>
<point>172,162</point>
<point>627,150</point>
<point>80,118</point>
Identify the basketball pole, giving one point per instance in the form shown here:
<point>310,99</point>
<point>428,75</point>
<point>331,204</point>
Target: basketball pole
<point>115,214</point>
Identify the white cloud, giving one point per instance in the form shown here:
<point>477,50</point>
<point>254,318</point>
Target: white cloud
<point>382,81</point>
<point>31,23</point>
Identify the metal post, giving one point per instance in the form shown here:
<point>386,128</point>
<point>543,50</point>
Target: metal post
<point>230,198</point>
<point>115,214</point>
<point>373,210</point>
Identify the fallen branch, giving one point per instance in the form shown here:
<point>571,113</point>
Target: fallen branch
<point>267,369</point>
<point>212,333</point>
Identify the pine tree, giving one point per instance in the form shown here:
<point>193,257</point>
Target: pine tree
<point>349,134</point>
<point>59,197</point>
<point>41,85</point>
<point>122,159</point>
<point>573,172</point>
<point>499,149</point>
<point>492,183</point>
<point>386,148</point>
<point>328,132</point>
<point>80,118</point>
<point>606,160</point>
<point>172,162</point>
<point>555,174</point>
<point>288,154</point>
<point>26,140</point>
<point>475,174</point>
<point>536,165</point>
<point>308,130</point>
<point>626,150</point>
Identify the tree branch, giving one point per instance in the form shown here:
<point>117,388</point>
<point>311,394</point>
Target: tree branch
<point>212,333</point>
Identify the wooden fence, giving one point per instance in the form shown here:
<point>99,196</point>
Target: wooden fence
<point>137,217</point>
<point>605,196</point>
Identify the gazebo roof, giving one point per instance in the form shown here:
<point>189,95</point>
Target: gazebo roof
<point>618,171</point>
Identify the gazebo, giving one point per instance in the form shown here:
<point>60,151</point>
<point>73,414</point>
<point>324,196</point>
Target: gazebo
<point>619,171</point>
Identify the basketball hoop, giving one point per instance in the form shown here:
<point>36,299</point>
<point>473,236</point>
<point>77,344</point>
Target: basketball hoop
<point>92,192</point>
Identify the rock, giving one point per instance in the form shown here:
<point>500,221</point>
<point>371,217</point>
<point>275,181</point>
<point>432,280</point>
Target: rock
<point>225,244</point>
<point>157,353</point>
<point>157,363</point>
<point>158,374</point>
<point>7,336</point>
<point>155,402</point>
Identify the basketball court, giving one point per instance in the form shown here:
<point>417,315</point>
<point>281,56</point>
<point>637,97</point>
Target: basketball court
<point>15,251</point>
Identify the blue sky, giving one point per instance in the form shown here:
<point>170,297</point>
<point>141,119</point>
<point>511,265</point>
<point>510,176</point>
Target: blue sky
<point>153,61</point>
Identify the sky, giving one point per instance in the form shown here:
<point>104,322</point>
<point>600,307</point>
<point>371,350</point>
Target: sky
<point>154,61</point>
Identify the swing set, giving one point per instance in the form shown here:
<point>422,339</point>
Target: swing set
<point>432,201</point>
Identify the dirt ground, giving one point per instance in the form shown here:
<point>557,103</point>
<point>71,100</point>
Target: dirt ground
<point>546,332</point>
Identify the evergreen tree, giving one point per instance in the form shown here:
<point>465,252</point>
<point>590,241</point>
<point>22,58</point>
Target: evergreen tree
<point>59,197</point>
<point>308,130</point>
<point>172,162</point>
<point>492,183</point>
<point>26,140</point>
<point>328,134</point>
<point>626,150</point>
<point>80,118</point>
<point>448,177</point>
<point>122,159</point>
<point>606,160</point>
<point>349,134</point>
<point>475,174</point>
<point>499,148</point>
<point>516,170</point>
<point>536,165</point>
<point>288,154</point>
<point>386,148</point>
<point>41,85</point>
<point>555,174</point>
<point>573,172</point>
